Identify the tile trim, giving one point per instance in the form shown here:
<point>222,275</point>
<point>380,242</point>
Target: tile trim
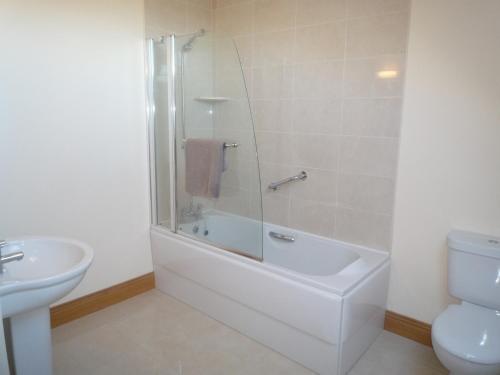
<point>101,299</point>
<point>408,327</point>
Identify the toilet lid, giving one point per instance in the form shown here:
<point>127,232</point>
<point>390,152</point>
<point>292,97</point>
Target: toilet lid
<point>469,332</point>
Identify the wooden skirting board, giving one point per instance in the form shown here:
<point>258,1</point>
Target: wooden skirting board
<point>407,327</point>
<point>90,303</point>
<point>399,324</point>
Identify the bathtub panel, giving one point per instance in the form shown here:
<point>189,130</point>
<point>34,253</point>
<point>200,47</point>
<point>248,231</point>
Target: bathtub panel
<point>303,348</point>
<point>308,309</point>
<point>363,316</point>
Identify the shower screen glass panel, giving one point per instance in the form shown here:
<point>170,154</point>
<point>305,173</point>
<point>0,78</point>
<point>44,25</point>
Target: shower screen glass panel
<point>218,190</point>
<point>159,130</point>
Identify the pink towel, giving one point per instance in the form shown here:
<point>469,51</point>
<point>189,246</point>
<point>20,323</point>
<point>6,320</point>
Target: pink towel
<point>204,167</point>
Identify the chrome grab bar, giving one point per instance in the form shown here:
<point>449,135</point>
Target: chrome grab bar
<point>282,237</point>
<point>276,185</point>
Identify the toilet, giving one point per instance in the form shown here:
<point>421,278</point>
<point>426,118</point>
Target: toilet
<point>466,336</point>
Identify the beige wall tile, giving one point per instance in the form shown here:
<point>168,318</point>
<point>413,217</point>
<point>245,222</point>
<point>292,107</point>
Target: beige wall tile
<point>378,35</point>
<point>362,77</point>
<point>272,15</point>
<point>318,103</point>
<point>376,117</point>
<point>320,186</point>
<point>316,116</point>
<point>274,147</point>
<point>310,12</point>
<point>273,48</point>
<point>272,115</point>
<point>272,82</point>
<point>225,3</point>
<point>244,45</point>
<point>313,217</point>
<point>233,200</point>
<point>239,177</point>
<point>365,228</point>
<point>276,209</point>
<point>315,151</point>
<point>375,194</point>
<point>234,20</point>
<point>320,42</point>
<point>165,16</point>
<point>362,8</point>
<point>369,156</point>
<point>199,17</point>
<point>318,80</point>
<point>233,116</point>
<point>207,4</point>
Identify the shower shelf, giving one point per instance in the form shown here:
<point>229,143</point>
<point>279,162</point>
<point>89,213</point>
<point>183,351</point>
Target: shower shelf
<point>212,99</point>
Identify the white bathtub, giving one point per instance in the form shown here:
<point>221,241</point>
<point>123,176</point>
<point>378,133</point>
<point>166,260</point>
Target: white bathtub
<point>318,301</point>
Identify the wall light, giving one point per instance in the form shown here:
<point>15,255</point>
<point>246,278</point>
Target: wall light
<point>387,74</point>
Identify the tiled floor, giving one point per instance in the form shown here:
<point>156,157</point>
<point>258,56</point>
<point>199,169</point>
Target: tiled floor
<point>155,334</point>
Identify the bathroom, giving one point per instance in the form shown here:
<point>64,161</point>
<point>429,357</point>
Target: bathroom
<point>249,187</point>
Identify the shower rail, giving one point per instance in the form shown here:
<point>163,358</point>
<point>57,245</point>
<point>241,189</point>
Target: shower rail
<point>299,177</point>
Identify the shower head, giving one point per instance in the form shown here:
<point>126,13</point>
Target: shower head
<point>189,44</point>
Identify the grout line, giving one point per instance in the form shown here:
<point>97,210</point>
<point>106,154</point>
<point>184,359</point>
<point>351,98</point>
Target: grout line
<point>339,150</point>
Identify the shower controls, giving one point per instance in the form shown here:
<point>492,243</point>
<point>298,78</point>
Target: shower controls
<point>282,237</point>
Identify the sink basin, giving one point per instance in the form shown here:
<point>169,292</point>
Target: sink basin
<point>50,269</point>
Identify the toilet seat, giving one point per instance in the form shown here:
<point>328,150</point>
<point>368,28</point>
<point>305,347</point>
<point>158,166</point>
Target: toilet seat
<point>469,332</point>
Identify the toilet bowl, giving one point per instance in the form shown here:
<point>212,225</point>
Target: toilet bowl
<point>466,337</point>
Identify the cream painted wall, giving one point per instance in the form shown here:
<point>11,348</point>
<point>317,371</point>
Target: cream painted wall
<point>73,145</point>
<point>449,165</point>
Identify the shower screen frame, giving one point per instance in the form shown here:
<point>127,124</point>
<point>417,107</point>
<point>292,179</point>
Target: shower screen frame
<point>172,130</point>
<point>170,45</point>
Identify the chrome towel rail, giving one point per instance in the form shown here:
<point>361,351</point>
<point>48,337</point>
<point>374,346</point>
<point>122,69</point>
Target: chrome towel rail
<point>276,185</point>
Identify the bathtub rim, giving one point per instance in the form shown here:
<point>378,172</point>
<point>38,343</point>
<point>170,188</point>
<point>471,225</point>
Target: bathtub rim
<point>339,284</point>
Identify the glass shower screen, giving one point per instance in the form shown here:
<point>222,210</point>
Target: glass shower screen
<point>213,175</point>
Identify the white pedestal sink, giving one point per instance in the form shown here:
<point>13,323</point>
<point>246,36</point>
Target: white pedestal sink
<point>50,269</point>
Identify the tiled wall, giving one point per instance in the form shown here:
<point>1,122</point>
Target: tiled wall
<point>163,17</point>
<point>325,79</point>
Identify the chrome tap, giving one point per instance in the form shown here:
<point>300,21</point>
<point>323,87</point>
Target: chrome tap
<point>18,255</point>
<point>193,211</point>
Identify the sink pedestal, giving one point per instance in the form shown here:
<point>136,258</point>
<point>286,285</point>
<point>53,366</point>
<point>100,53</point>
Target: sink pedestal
<point>31,342</point>
<point>50,269</point>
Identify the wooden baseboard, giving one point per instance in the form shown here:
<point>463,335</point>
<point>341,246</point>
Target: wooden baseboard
<point>407,327</point>
<point>88,304</point>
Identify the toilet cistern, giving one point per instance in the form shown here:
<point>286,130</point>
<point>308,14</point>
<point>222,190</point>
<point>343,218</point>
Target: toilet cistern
<point>466,336</point>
